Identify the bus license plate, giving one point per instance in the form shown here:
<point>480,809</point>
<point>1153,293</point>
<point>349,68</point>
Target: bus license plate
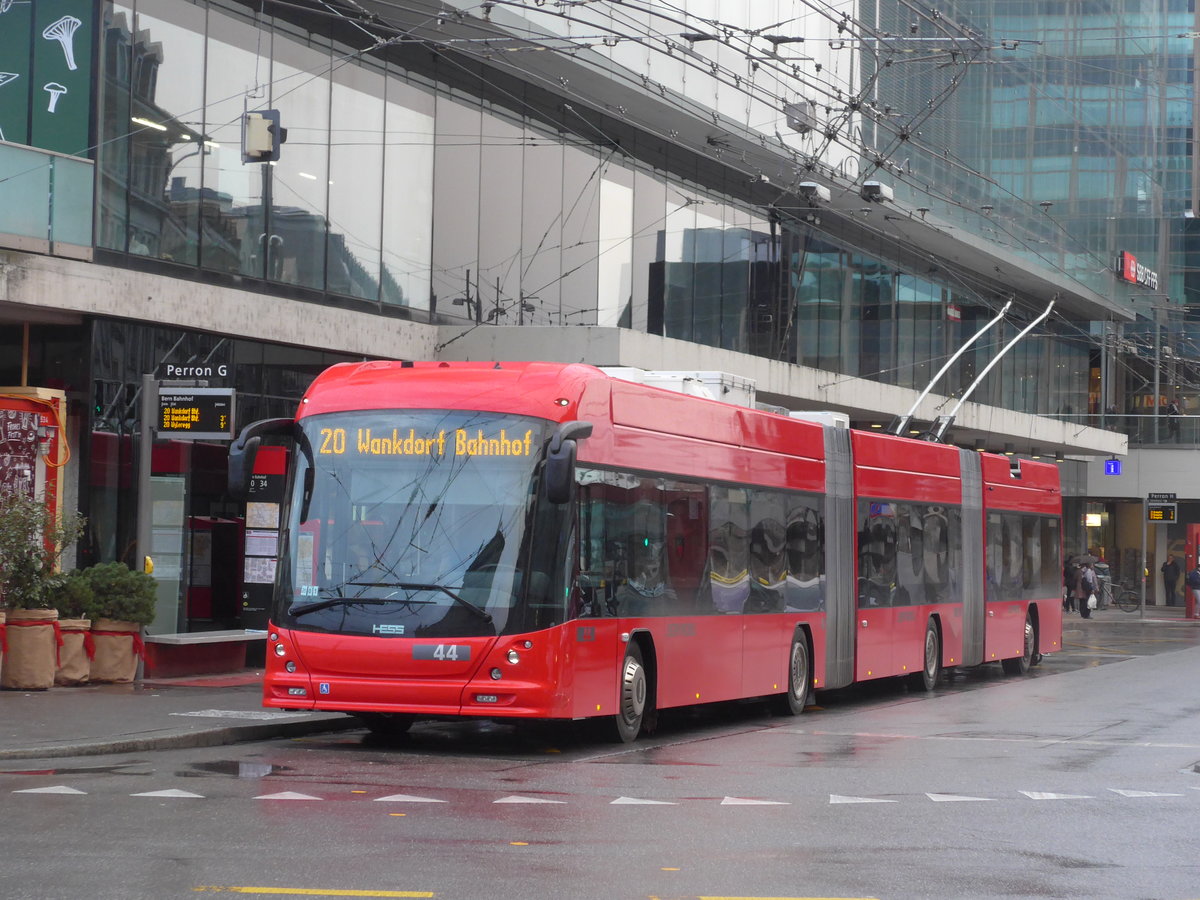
<point>452,652</point>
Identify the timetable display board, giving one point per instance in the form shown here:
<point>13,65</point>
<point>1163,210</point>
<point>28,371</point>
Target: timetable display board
<point>197,414</point>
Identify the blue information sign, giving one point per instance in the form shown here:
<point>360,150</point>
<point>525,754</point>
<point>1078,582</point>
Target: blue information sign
<point>1112,467</point>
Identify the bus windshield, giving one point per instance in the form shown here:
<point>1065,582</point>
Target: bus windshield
<point>410,524</point>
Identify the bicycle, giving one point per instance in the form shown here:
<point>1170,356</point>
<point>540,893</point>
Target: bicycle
<point>1127,598</point>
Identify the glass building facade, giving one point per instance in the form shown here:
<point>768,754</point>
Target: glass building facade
<point>431,186</point>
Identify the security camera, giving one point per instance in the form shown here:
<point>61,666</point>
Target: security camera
<point>876,191</point>
<point>813,192</point>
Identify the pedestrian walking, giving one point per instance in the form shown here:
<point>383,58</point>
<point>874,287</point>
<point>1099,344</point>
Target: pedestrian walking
<point>1087,590</point>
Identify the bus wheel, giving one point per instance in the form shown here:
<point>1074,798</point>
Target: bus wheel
<point>387,725</point>
<point>931,665</point>
<point>793,702</point>
<point>632,704</point>
<point>1019,665</point>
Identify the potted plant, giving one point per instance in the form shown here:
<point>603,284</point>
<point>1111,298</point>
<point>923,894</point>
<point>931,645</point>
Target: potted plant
<point>124,601</point>
<point>75,601</point>
<point>32,539</point>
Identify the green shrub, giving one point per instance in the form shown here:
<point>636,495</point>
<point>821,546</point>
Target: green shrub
<point>121,593</point>
<point>73,597</point>
<point>31,544</point>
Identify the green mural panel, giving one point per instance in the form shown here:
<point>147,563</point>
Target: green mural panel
<point>16,26</point>
<point>61,92</point>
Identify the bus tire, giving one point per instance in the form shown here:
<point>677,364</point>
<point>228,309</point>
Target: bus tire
<point>793,701</point>
<point>632,702</point>
<point>931,660</point>
<point>1019,665</point>
<point>387,725</point>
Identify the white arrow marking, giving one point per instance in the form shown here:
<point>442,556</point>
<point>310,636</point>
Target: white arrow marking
<point>515,799</point>
<point>739,801</point>
<point>286,795</point>
<point>406,798</point>
<point>1142,793</point>
<point>836,798</point>
<point>955,798</point>
<point>57,789</point>
<point>172,792</point>
<point>1043,795</point>
<point>640,802</point>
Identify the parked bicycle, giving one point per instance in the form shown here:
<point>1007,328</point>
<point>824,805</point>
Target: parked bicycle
<point>1127,597</point>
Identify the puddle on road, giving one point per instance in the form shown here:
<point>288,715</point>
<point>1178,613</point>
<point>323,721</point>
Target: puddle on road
<point>232,768</point>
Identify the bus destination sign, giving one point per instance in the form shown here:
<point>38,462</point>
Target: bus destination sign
<point>1161,512</point>
<point>195,414</point>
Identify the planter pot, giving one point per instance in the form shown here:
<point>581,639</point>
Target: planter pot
<point>32,655</point>
<point>75,654</point>
<point>118,649</point>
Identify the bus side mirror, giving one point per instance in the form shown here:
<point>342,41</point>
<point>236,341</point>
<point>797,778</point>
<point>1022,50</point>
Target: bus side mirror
<point>244,448</point>
<point>559,472</point>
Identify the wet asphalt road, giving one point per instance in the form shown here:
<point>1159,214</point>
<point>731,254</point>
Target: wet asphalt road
<point>1078,782</point>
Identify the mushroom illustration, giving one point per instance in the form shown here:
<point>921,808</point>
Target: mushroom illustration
<point>63,31</point>
<point>55,90</point>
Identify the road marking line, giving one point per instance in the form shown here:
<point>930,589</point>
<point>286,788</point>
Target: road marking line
<point>406,798</point>
<point>307,892</point>
<point>639,802</point>
<point>286,795</point>
<point>1142,793</point>
<point>171,792</point>
<point>516,799</point>
<point>740,801</point>
<point>956,798</point>
<point>838,798</point>
<point>57,789</point>
<point>1046,795</point>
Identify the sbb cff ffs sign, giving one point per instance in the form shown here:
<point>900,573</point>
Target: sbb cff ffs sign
<point>197,414</point>
<point>1134,272</point>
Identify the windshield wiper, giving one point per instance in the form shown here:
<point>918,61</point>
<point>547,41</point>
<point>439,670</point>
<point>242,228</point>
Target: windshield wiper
<point>299,609</point>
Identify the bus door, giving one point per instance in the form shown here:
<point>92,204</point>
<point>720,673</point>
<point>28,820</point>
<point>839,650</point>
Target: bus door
<point>876,589</point>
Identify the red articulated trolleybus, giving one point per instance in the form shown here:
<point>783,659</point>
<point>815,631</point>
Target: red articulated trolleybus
<point>552,541</point>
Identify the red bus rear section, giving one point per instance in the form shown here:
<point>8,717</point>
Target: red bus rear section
<point>551,541</point>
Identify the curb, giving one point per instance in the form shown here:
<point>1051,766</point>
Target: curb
<point>212,737</point>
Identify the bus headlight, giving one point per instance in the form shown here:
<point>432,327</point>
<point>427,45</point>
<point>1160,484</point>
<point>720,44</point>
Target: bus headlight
<point>514,657</point>
<point>280,650</point>
<point>496,675</point>
<point>290,665</point>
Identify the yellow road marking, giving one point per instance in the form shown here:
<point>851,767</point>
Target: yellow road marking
<point>786,898</point>
<point>308,892</point>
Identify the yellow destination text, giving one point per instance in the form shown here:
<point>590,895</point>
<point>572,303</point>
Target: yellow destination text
<point>495,446</point>
<point>400,445</point>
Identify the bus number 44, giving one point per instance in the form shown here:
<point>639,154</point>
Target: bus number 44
<point>445,652</point>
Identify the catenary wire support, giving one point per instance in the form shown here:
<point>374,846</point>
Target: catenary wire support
<point>901,424</point>
<point>943,423</point>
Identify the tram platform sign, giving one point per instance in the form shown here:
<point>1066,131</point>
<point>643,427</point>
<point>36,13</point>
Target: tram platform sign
<point>1161,508</point>
<point>195,414</point>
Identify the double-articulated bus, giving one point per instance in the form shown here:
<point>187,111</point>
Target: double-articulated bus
<point>541,540</point>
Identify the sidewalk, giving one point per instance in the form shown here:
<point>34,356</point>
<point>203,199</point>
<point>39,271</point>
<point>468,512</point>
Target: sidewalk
<point>156,714</point>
